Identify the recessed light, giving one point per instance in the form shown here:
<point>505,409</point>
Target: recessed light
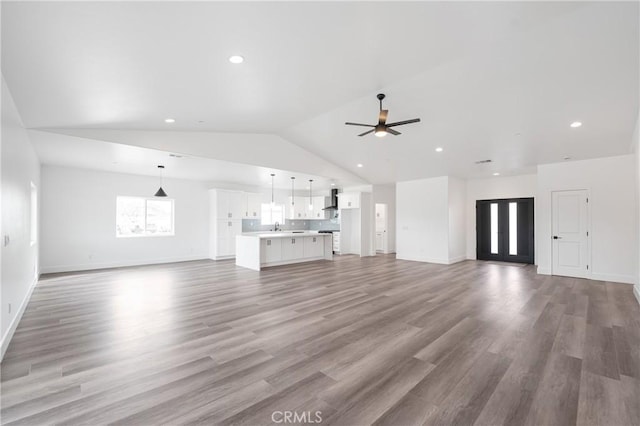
<point>333,184</point>
<point>169,120</point>
<point>576,124</point>
<point>439,149</point>
<point>236,59</point>
<point>496,174</point>
<point>360,165</point>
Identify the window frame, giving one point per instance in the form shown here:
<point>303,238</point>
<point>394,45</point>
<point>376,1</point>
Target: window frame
<point>265,206</point>
<point>145,234</point>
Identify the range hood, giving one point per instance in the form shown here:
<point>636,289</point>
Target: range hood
<point>333,203</point>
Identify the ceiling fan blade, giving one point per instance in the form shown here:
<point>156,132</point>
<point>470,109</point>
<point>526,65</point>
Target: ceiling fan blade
<point>400,123</point>
<point>359,124</point>
<point>366,133</point>
<point>393,132</point>
<point>382,118</point>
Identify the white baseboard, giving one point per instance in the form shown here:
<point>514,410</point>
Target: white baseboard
<point>544,271</point>
<point>6,339</point>
<point>222,257</point>
<point>119,264</point>
<point>457,259</point>
<point>422,259</point>
<point>616,278</point>
<point>636,292</point>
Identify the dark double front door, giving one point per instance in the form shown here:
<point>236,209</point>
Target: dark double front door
<point>504,230</point>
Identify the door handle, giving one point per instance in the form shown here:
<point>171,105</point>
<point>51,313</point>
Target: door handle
<point>555,237</point>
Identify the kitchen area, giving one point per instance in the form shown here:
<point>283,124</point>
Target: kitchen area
<point>260,232</point>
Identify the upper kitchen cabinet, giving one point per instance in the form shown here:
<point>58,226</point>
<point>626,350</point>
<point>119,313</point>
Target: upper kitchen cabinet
<point>298,210</point>
<point>302,210</point>
<point>318,206</point>
<point>228,204</point>
<point>253,205</point>
<point>349,200</point>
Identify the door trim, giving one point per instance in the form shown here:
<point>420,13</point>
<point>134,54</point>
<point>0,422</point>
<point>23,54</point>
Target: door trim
<point>589,271</point>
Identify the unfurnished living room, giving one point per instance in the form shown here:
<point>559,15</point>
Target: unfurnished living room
<point>329,213</point>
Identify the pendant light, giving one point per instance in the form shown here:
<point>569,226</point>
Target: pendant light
<point>273,203</point>
<point>293,179</point>
<point>310,198</point>
<point>160,192</point>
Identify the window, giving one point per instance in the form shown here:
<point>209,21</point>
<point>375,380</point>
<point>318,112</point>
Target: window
<point>271,214</point>
<point>494,228</point>
<point>513,229</point>
<point>34,215</point>
<point>143,217</point>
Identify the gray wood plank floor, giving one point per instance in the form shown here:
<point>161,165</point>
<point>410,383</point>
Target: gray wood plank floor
<point>362,341</point>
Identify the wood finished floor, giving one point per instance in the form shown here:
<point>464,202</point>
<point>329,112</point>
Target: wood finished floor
<point>364,341</point>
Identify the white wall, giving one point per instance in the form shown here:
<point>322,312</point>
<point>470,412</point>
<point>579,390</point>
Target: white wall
<point>386,194</point>
<point>20,167</point>
<point>635,144</point>
<point>422,220</point>
<point>613,213</point>
<point>78,220</point>
<point>491,189</point>
<point>457,219</point>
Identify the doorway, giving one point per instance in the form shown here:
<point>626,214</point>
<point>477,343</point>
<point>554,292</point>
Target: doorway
<point>382,243</point>
<point>570,233</point>
<point>504,230</point>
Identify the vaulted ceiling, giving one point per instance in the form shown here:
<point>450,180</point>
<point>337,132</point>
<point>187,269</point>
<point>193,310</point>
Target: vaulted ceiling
<point>490,80</point>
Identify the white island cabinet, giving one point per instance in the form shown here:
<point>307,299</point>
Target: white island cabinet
<point>259,250</point>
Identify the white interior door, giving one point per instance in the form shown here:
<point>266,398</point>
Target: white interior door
<point>570,233</point>
<point>381,228</point>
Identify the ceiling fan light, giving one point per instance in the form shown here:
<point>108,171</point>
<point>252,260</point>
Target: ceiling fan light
<point>380,132</point>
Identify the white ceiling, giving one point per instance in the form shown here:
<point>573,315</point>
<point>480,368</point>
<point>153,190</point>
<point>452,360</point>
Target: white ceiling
<point>476,73</point>
<point>73,151</point>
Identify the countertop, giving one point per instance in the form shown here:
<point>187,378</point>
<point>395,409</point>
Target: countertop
<point>282,234</point>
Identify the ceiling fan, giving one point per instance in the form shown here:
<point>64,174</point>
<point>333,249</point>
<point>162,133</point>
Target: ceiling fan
<point>382,128</point>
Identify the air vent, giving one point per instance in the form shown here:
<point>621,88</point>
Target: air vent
<point>483,161</point>
<point>175,155</point>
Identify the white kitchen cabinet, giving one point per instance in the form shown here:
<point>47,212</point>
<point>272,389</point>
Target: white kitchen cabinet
<point>228,204</point>
<point>349,200</point>
<point>314,246</point>
<point>318,206</point>
<point>225,237</point>
<point>226,209</point>
<point>256,251</point>
<point>271,250</point>
<point>300,208</point>
<point>254,205</point>
<point>293,248</point>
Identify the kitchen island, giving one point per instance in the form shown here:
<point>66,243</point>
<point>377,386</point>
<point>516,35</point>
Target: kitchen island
<point>262,249</point>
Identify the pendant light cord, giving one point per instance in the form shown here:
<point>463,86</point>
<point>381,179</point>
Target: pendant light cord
<point>272,201</point>
<point>292,191</point>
